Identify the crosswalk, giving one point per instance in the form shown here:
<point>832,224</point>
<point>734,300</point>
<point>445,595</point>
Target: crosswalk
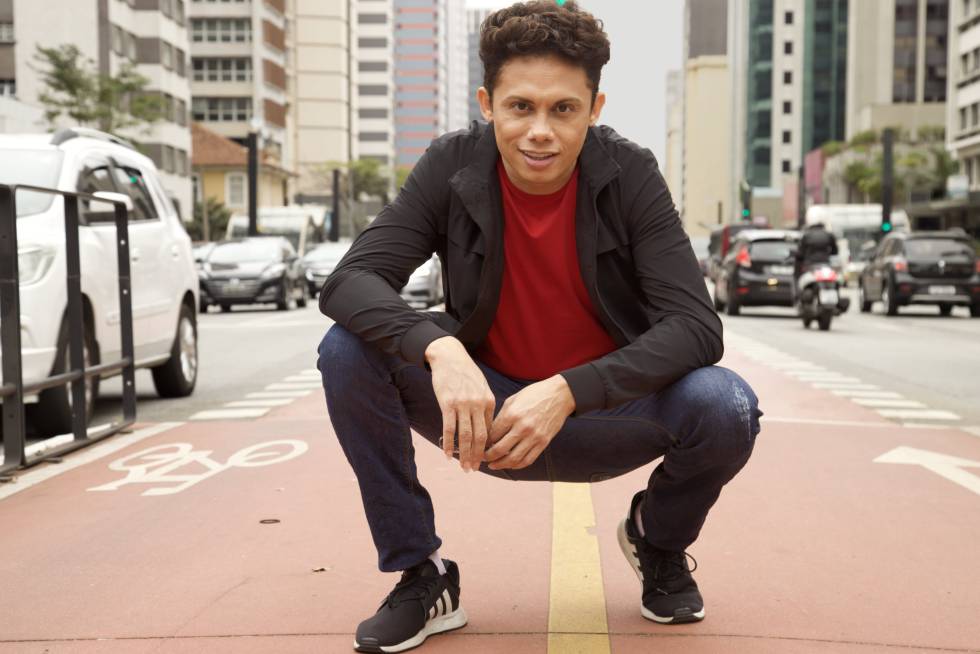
<point>886,403</point>
<point>275,395</point>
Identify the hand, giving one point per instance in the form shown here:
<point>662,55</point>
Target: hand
<point>465,398</point>
<point>527,422</point>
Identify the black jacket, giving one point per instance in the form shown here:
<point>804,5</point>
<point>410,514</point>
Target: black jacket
<point>816,246</point>
<point>636,261</point>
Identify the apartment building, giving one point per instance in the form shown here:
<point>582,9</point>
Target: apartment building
<point>431,74</point>
<point>375,125</point>
<point>323,96</point>
<point>674,160</point>
<point>963,111</point>
<point>897,64</point>
<point>152,34</point>
<point>474,19</point>
<point>238,68</point>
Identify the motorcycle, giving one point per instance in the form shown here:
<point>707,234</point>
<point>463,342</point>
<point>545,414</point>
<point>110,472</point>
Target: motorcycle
<point>818,297</point>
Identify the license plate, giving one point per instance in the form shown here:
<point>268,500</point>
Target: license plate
<point>828,297</point>
<point>780,270</point>
<point>942,290</point>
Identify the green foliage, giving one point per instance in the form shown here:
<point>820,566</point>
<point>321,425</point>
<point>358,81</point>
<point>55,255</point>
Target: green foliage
<point>932,133</point>
<point>863,139</point>
<point>72,87</point>
<point>832,148</point>
<point>401,174</point>
<point>367,175</point>
<point>218,217</point>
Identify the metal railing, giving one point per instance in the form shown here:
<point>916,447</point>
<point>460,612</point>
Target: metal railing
<point>12,387</point>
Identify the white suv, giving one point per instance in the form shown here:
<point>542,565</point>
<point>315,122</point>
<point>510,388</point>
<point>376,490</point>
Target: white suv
<point>163,276</point>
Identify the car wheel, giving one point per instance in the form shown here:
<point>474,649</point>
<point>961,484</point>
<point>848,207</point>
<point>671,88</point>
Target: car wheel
<point>719,305</point>
<point>52,413</point>
<point>202,307</point>
<point>975,310</point>
<point>732,308</point>
<point>863,299</point>
<point>285,301</point>
<point>225,308</point>
<point>888,298</point>
<point>178,376</point>
<point>823,322</point>
<point>945,309</point>
<point>301,297</point>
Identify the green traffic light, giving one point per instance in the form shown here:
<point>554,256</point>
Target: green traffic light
<point>745,213</point>
<point>886,227</point>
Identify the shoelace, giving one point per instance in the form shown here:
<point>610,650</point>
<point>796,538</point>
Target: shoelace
<point>673,562</point>
<point>412,586</point>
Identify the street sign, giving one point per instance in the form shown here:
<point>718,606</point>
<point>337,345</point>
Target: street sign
<point>950,467</point>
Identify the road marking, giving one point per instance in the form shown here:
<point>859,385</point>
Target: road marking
<point>913,414</point>
<point>309,372</point>
<point>885,395</point>
<point>259,402</point>
<point>845,386</point>
<point>830,378</point>
<point>278,394</point>
<point>293,386</point>
<point>82,457</point>
<point>577,608</point>
<point>304,379</point>
<point>156,465</point>
<point>974,431</point>
<point>949,467</point>
<point>894,404</point>
<point>925,425</point>
<point>229,414</point>
<point>841,423</point>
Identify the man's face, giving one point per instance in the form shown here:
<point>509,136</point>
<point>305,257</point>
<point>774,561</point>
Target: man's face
<point>541,111</point>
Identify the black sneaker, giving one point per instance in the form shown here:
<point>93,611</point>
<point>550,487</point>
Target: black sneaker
<point>670,595</point>
<point>422,603</point>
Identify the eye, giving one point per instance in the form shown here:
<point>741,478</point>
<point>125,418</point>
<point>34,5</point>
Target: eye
<point>520,106</point>
<point>565,108</point>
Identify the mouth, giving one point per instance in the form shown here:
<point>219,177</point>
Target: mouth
<point>539,156</point>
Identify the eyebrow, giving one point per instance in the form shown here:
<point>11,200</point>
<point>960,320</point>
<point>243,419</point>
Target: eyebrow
<point>517,98</point>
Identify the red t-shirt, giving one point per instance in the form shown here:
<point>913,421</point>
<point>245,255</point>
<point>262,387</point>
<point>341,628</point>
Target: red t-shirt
<point>545,322</point>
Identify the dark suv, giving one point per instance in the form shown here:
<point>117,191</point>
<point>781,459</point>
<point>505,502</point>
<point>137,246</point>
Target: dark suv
<point>939,268</point>
<point>758,271</point>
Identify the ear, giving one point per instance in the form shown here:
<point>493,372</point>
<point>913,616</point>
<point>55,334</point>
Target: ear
<point>486,106</point>
<point>600,102</point>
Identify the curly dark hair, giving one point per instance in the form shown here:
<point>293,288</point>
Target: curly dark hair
<point>542,27</point>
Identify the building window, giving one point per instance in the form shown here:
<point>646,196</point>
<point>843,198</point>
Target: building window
<point>372,89</point>
<point>129,45</point>
<point>374,137</point>
<point>117,41</point>
<point>905,50</point>
<point>372,66</point>
<point>235,189</point>
<point>787,166</point>
<point>213,69</point>
<point>372,113</point>
<point>937,40</point>
<point>787,107</point>
<point>222,109</point>
<point>375,42</point>
<point>788,47</point>
<point>221,30</point>
<point>787,136</point>
<point>372,19</point>
<point>198,188</point>
<point>168,159</point>
<point>788,77</point>
<point>6,32</point>
<point>788,19</point>
<point>963,119</point>
<point>167,55</point>
<point>974,114</point>
<point>8,88</point>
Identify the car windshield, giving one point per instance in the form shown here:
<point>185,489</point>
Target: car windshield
<point>935,248</point>
<point>242,251</point>
<point>33,167</point>
<point>327,253</point>
<point>771,250</point>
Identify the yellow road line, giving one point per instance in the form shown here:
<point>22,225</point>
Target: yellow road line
<point>577,613</point>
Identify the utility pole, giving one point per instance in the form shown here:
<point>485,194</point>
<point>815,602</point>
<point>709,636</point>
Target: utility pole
<point>887,179</point>
<point>801,199</point>
<point>253,183</point>
<point>334,235</point>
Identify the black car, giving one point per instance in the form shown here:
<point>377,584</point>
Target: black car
<point>757,271</point>
<point>262,269</point>
<point>939,268</point>
<point>719,245</point>
<point>319,262</point>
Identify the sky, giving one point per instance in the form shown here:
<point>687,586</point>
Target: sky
<point>647,42</point>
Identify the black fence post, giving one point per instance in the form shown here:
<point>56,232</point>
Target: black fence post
<point>126,314</point>
<point>11,382</point>
<point>76,319</point>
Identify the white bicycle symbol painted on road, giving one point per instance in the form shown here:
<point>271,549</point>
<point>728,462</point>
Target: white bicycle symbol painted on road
<point>157,465</point>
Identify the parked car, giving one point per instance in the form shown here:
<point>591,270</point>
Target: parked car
<point>758,271</point>
<point>938,268</point>
<point>424,287</point>
<point>320,262</point>
<point>163,279</point>
<point>255,270</point>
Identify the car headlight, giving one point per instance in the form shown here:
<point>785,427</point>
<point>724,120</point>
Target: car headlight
<point>309,274</point>
<point>274,270</point>
<point>33,263</point>
<point>424,271</point>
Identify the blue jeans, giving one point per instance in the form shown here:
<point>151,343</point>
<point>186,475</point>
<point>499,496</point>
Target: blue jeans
<point>704,425</point>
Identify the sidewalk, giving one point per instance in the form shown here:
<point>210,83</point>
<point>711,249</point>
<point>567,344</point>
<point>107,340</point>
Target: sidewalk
<point>814,548</point>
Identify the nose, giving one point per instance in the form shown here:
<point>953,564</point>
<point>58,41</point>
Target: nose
<point>540,128</point>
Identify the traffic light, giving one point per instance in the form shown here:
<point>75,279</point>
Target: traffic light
<point>886,225</point>
<point>746,197</point>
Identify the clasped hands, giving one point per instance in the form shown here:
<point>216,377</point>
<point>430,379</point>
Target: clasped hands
<point>525,425</point>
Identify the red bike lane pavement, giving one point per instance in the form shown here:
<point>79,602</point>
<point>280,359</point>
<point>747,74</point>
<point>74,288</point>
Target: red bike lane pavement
<point>815,547</point>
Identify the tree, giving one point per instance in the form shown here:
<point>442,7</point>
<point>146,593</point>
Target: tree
<point>401,175</point>
<point>367,177</point>
<point>72,87</point>
<point>218,217</point>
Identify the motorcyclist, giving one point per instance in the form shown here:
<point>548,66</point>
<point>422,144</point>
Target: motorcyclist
<point>816,246</point>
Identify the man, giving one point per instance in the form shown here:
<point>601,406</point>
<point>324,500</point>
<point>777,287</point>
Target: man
<point>816,246</point>
<point>577,342</point>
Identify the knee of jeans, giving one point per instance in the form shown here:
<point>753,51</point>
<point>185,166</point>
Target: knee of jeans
<point>341,350</point>
<point>725,403</point>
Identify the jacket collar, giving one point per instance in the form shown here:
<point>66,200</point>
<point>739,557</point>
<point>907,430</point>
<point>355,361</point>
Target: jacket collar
<point>596,165</point>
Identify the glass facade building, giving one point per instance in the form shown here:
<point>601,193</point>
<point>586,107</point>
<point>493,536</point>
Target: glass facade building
<point>758,161</point>
<point>824,73</point>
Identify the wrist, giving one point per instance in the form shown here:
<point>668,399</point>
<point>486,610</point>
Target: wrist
<point>565,394</point>
<point>440,348</point>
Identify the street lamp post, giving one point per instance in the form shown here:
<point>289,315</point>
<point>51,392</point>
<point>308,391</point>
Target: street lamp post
<point>255,135</point>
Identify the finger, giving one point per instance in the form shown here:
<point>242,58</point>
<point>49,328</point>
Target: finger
<point>465,425</point>
<point>502,447</point>
<point>448,432</point>
<point>516,454</point>
<point>529,458</point>
<point>479,438</point>
<point>501,424</point>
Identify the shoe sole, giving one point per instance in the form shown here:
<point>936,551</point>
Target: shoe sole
<point>442,624</point>
<point>629,551</point>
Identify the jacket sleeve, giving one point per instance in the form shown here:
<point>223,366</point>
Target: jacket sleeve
<point>685,332</point>
<point>362,293</point>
